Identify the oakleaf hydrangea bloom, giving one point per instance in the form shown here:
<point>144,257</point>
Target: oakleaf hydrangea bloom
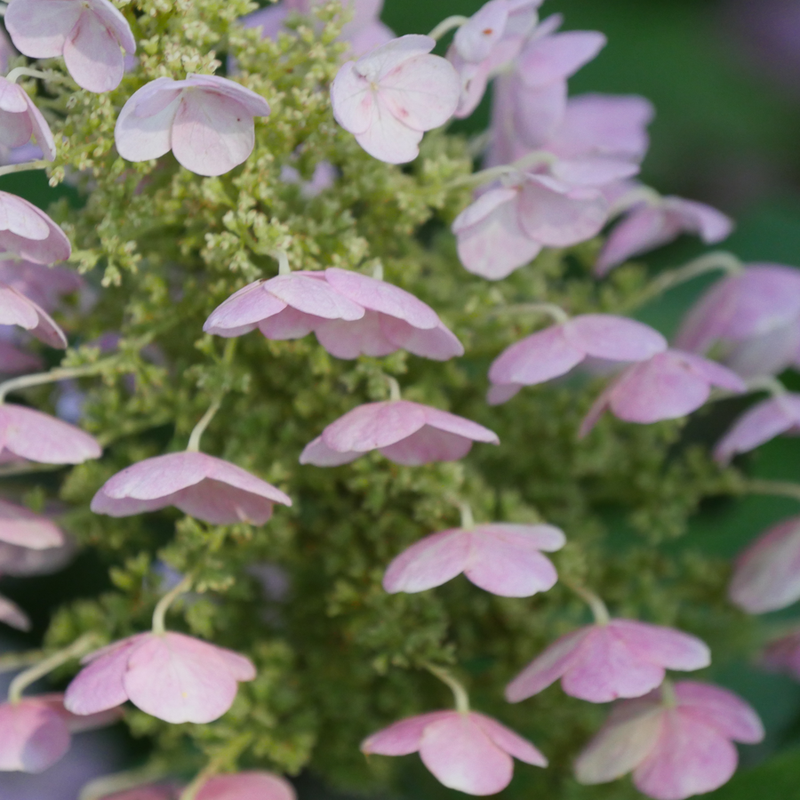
<point>648,226</point>
<point>554,351</point>
<point>44,285</point>
<point>35,732</point>
<point>501,558</point>
<point>406,433</point>
<point>16,309</point>
<point>200,485</point>
<point>22,527</point>
<point>766,576</point>
<point>171,676</point>
<point>30,233</point>
<point>206,121</point>
<point>678,743</point>
<point>90,34</point>
<point>253,785</point>
<point>783,655</point>
<point>601,662</point>
<point>389,97</point>
<point>32,435</point>
<point>753,316</point>
<point>667,386</point>
<point>20,121</point>
<point>469,752</point>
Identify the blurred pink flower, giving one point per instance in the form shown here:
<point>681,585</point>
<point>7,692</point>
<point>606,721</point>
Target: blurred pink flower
<point>388,98</point>
<point>7,50</point>
<point>16,309</point>
<point>253,785</point>
<point>14,361</point>
<point>783,655</point>
<point>155,792</point>
<point>469,752</point>
<point>12,615</point>
<point>676,745</point>
<point>501,558</point>
<point>22,527</point>
<point>554,351</point>
<point>30,233</point>
<point>601,662</point>
<point>200,485</point>
<point>90,34</point>
<point>206,121</point>
<point>325,175</point>
<point>20,121</point>
<point>406,433</point>
<point>44,285</point>
<point>171,676</point>
<point>667,386</point>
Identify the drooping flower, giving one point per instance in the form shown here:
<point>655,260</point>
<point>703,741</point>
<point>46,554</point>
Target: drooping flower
<point>171,676</point>
<point>32,435</point>
<point>406,433</point>
<point>766,576</point>
<point>651,225</point>
<point>44,285</point>
<point>389,97</point>
<point>22,527</point>
<point>469,752</point>
<point>677,743</point>
<point>753,316</point>
<point>667,386</point>
<point>783,655</point>
<point>20,121</point>
<point>16,309</point>
<point>501,558</point>
<point>35,732</point>
<point>601,662</point>
<point>253,785</point>
<point>554,351</point>
<point>206,121</point>
<point>30,233</point>
<point>200,485</point>
<point>89,34</point>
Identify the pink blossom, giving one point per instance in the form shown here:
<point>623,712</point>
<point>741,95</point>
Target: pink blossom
<point>501,558</point>
<point>35,732</point>
<point>469,752</point>
<point>406,433</point>
<point>20,121</point>
<point>171,676</point>
<point>16,309</point>
<point>41,284</point>
<point>601,662</point>
<point>7,51</point>
<point>676,744</point>
<point>647,227</point>
<point>247,786</point>
<point>766,576</point>
<point>22,561</point>
<point>783,655</point>
<point>150,792</point>
<point>200,485</point>
<point>667,386</point>
<point>90,34</point>
<point>753,315</point>
<point>22,527</point>
<point>205,120</point>
<point>30,233</point>
<point>32,435</point>
<point>388,98</point>
<point>554,351</point>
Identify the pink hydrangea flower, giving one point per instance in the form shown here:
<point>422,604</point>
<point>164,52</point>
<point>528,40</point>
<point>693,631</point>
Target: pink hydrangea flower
<point>753,315</point>
<point>171,676</point>
<point>253,785</point>
<point>667,386</point>
<point>676,746</point>
<point>22,527</point>
<point>20,121</point>
<point>601,662</point>
<point>783,655</point>
<point>89,34</point>
<point>200,485</point>
<point>32,435</point>
<point>206,121</point>
<point>41,284</point>
<point>16,309</point>
<point>388,98</point>
<point>554,351</point>
<point>30,233</point>
<point>648,226</point>
<point>35,732</point>
<point>469,752</point>
<point>501,558</point>
<point>766,576</point>
<point>406,433</point>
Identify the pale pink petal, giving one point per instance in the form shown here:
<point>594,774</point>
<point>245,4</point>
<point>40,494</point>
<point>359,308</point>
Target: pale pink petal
<point>614,338</point>
<point>364,39</point>
<point>143,137</point>
<point>388,139</point>
<point>645,229</point>
<point>13,361</point>
<point>475,39</point>
<point>22,527</point>
<point>19,217</point>
<point>116,23</point>
<point>100,685</point>
<point>451,423</point>
<point>764,421</point>
<point>247,786</point>
<point>720,709</point>
<point>218,503</point>
<point>39,28</point>
<point>243,310</point>
<point>437,343</point>
<point>376,65</point>
<point>93,56</point>
<point>32,737</point>
<point>430,562</point>
<point>374,425</point>
<point>427,445</point>
<point>353,100</point>
<point>41,131</point>
<point>508,741</point>
<point>714,373</point>
<point>666,647</point>
<point>20,561</point>
<point>345,339</point>
<point>252,102</point>
<point>537,111</point>
<point>403,737</point>
<point>311,294</point>
<point>319,454</point>
<point>16,309</point>
<point>11,614</point>
<point>601,172</point>
<point>502,393</point>
<point>552,58</point>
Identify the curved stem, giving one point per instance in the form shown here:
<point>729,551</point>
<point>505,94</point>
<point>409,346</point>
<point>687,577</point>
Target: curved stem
<point>108,785</point>
<point>767,384</point>
<point>200,428</point>
<point>377,272</point>
<point>225,756</point>
<point>556,312</point>
<point>668,696</point>
<point>54,375</point>
<point>20,72</point>
<point>467,519</point>
<point>283,262</point>
<point>774,488</point>
<point>30,165</point>
<point>447,25</point>
<point>77,649</point>
<point>599,610</point>
<point>639,194</point>
<point>537,158</point>
<point>394,388</point>
<point>14,661</point>
<point>165,602</point>
<point>459,692</point>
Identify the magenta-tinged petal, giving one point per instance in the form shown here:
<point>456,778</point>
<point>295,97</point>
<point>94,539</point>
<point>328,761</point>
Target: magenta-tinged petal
<point>32,737</point>
<point>403,737</point>
<point>22,527</point>
<point>92,54</point>
<point>311,293</point>
<point>16,309</point>
<point>508,741</point>
<point>666,647</point>
<point>475,39</point>
<point>645,229</point>
<point>438,344</point>
<point>502,393</point>
<point>450,423</point>
<point>614,338</point>
<point>39,28</point>
<point>319,454</point>
<point>143,137</point>
<point>29,232</point>
<point>426,445</point>
<point>430,562</point>
<point>247,786</point>
<point>21,562</point>
<point>720,709</point>
<point>552,58</point>
<point>11,614</point>
<point>374,425</point>
<point>243,310</point>
<point>764,421</point>
<point>345,339</point>
<point>714,373</point>
<point>537,111</point>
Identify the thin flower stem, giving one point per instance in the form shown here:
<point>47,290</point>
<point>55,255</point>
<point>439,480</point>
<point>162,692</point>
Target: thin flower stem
<point>639,194</point>
<point>774,488</point>
<point>77,649</point>
<point>459,692</point>
<point>282,258</point>
<point>556,312</point>
<point>447,25</point>
<point>537,158</point>
<point>200,428</point>
<point>767,384</point>
<point>394,388</point>
<point>668,696</point>
<point>14,661</point>
<point>27,72</point>
<point>30,165</point>
<point>54,375</point>
<point>467,519</point>
<point>159,628</point>
<point>107,785</point>
<point>377,272</point>
<point>599,610</point>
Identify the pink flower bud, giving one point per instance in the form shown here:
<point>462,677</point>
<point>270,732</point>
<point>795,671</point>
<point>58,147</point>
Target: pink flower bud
<point>469,752</point>
<point>29,232</point>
